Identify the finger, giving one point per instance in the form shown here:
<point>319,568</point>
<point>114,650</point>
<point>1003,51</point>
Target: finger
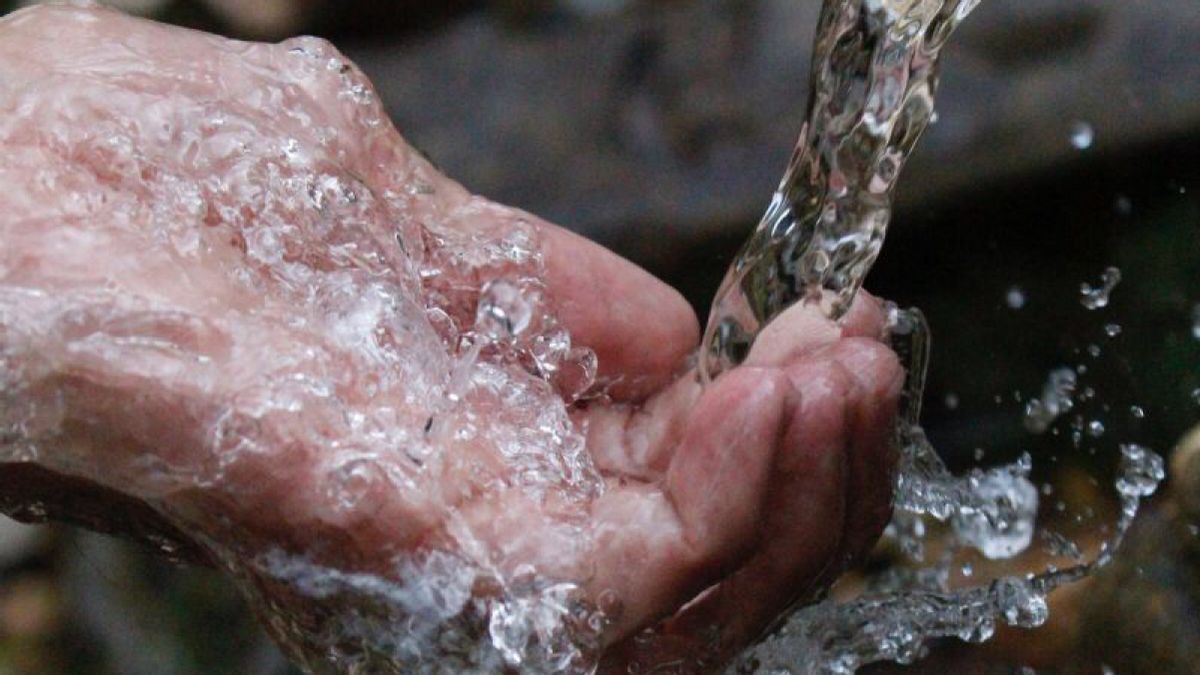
<point>803,328</point>
<point>641,329</point>
<point>805,517</point>
<point>637,440</point>
<point>656,548</point>
<point>829,499</point>
<point>865,318</point>
<point>871,412</point>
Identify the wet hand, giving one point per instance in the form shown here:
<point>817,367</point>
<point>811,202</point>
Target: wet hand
<point>231,293</point>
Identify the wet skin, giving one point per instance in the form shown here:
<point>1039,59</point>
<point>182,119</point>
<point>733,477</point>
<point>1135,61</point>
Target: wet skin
<point>133,325</point>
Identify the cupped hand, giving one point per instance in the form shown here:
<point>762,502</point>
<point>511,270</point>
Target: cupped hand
<point>230,294</point>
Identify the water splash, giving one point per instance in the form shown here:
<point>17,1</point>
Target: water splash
<point>1056,400</point>
<point>992,511</point>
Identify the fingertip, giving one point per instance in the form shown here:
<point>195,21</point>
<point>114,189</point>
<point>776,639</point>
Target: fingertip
<point>799,330</point>
<point>865,318</point>
<point>874,367</point>
<point>718,477</point>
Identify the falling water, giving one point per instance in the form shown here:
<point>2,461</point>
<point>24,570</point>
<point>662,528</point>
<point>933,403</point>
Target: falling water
<point>875,68</point>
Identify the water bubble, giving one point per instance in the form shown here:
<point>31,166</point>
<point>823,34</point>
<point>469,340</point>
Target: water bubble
<point>1141,471</point>
<point>504,311</point>
<point>1097,298</point>
<point>1015,298</point>
<point>1082,135</point>
<point>1095,428</point>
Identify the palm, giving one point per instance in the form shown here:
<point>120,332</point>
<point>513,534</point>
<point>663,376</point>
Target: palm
<point>229,290</point>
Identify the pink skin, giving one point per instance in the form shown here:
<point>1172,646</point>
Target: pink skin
<point>142,330</point>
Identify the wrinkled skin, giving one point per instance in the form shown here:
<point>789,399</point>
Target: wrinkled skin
<point>148,331</point>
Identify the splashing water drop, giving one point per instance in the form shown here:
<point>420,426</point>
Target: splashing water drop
<point>1015,298</point>
<point>1097,298</point>
<point>1056,400</point>
<point>1003,526</point>
<point>1082,135</point>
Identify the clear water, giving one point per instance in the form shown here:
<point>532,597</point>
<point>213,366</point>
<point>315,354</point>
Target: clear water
<point>874,75</point>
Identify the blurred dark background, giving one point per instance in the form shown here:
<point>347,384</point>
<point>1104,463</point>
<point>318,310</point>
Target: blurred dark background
<point>1068,140</point>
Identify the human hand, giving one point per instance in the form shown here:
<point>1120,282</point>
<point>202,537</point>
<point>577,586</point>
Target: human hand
<point>230,293</point>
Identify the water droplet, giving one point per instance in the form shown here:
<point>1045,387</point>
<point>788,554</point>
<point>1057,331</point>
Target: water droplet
<point>1015,298</point>
<point>1196,395</point>
<point>1112,329</point>
<point>951,401</point>
<point>1082,135</point>
<point>1095,428</point>
<point>1123,205</point>
<point>1097,298</point>
<point>967,570</point>
<point>1137,411</point>
<point>1196,321</point>
<point>1040,413</point>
